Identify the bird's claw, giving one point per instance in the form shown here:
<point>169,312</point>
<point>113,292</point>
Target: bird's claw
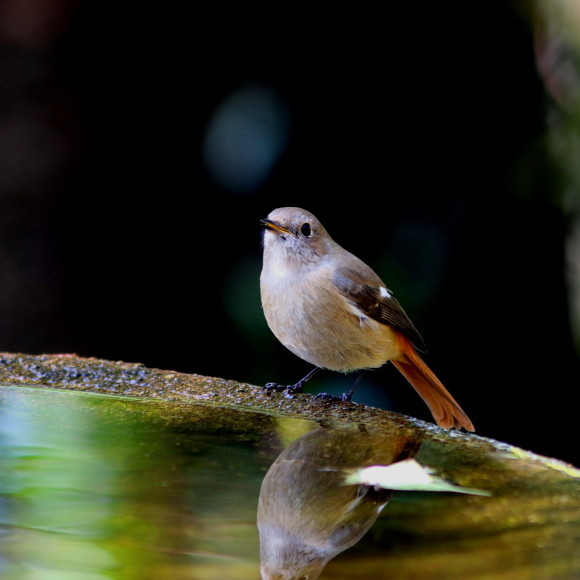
<point>344,398</point>
<point>288,390</point>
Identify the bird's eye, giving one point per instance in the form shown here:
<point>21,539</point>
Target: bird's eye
<point>305,229</point>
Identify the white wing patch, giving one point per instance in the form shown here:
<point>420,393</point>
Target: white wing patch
<point>385,293</point>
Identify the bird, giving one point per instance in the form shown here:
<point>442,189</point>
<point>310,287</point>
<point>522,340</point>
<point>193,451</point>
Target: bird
<point>307,515</point>
<point>332,310</point>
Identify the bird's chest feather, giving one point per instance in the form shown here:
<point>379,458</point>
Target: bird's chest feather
<point>316,322</point>
<point>289,299</point>
<point>310,303</point>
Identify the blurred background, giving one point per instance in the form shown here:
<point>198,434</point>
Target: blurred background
<point>139,147</point>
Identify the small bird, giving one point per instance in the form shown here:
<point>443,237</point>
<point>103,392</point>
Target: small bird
<point>330,309</point>
<point>306,513</point>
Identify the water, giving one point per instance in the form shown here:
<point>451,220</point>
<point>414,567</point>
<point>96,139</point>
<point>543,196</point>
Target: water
<point>96,487</point>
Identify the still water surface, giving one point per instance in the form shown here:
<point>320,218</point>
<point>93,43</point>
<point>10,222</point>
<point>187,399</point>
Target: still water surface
<point>95,487</point>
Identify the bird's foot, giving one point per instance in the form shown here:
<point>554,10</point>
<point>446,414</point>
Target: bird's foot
<point>344,398</point>
<point>288,390</point>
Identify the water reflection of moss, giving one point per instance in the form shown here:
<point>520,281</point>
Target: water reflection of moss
<point>98,489</point>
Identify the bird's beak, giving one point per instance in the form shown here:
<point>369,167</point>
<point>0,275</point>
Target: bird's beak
<point>271,225</point>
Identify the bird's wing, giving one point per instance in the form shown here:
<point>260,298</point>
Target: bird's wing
<point>366,292</point>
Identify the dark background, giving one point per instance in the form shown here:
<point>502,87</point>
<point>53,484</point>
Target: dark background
<point>420,138</point>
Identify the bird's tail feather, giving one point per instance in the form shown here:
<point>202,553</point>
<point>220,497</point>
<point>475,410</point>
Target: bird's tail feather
<point>444,408</point>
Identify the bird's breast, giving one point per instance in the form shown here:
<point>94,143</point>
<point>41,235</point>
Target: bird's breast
<point>311,318</point>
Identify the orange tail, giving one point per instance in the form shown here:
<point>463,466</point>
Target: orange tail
<point>444,408</point>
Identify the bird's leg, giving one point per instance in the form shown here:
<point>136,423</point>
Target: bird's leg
<point>346,397</point>
<point>290,390</point>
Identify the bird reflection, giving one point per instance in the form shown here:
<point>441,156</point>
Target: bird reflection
<point>306,515</point>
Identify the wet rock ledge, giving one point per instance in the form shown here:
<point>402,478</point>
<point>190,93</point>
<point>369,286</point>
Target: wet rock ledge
<point>117,378</point>
<point>70,372</point>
